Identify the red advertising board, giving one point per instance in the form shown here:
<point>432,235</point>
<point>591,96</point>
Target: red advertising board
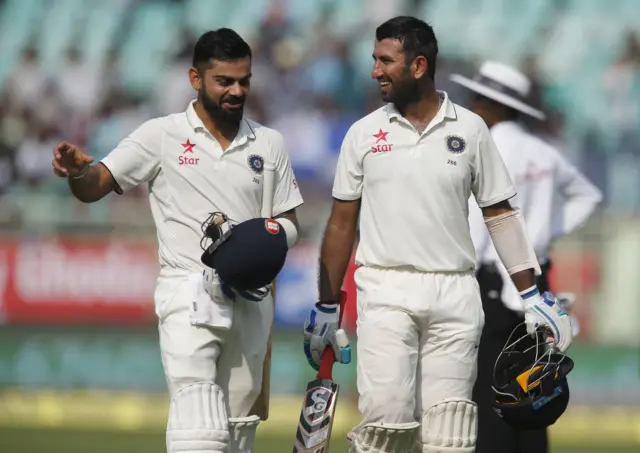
<point>112,281</point>
<point>62,281</point>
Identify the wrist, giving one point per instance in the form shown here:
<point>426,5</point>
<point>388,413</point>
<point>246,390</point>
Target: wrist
<point>327,306</point>
<point>530,296</point>
<point>81,173</point>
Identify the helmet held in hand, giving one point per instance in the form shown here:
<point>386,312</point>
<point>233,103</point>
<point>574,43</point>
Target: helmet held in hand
<point>246,255</point>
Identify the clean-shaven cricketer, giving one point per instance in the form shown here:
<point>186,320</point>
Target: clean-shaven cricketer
<point>207,159</point>
<point>406,172</point>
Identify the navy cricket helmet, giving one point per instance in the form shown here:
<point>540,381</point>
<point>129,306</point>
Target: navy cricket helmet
<point>246,255</point>
<point>530,382</point>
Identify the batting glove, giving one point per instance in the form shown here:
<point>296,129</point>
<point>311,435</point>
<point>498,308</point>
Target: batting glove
<point>567,300</point>
<point>321,330</point>
<point>547,312</point>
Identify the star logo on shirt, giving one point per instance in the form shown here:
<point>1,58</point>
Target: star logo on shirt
<point>188,147</point>
<point>381,136</point>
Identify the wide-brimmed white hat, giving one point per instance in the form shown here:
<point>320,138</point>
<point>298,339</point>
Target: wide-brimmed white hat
<point>503,84</point>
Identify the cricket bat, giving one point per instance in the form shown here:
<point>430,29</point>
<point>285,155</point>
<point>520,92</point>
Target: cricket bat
<point>319,404</point>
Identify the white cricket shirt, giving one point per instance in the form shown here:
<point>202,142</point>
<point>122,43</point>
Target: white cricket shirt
<point>415,186</point>
<point>189,177</point>
<point>553,196</point>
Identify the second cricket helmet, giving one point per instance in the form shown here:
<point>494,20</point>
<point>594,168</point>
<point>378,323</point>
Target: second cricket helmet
<point>246,255</point>
<point>530,381</point>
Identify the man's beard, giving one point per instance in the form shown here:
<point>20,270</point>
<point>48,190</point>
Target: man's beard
<point>219,113</point>
<point>404,91</point>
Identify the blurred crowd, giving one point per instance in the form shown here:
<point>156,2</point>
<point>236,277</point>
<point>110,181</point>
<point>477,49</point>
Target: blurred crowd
<point>310,93</point>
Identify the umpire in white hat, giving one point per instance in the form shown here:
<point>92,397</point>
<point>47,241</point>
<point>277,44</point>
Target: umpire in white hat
<point>554,198</point>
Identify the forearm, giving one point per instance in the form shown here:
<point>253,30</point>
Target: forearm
<point>290,215</point>
<point>514,249</point>
<point>291,227</point>
<point>337,247</point>
<point>524,280</point>
<point>92,186</point>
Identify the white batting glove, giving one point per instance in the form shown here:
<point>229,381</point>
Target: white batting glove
<point>567,300</point>
<point>546,311</point>
<point>321,330</point>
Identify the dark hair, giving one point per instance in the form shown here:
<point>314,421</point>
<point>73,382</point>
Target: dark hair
<point>417,38</point>
<point>222,44</point>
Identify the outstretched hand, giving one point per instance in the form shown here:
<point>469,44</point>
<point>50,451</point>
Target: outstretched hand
<point>69,160</point>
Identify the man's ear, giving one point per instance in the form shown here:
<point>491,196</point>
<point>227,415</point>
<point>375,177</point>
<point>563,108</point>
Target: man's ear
<point>419,66</point>
<point>195,79</point>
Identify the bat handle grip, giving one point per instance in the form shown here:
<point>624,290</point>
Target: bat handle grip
<point>328,357</point>
<point>326,364</point>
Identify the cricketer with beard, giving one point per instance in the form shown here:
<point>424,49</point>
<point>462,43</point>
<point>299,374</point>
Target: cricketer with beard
<point>207,159</point>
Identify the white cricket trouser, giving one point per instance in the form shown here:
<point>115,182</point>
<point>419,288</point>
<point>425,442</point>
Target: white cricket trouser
<point>418,335</point>
<point>233,359</point>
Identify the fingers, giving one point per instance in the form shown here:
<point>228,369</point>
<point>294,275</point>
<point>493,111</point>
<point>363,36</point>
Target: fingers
<point>60,149</point>
<point>560,347</point>
<point>311,322</point>
<point>58,169</point>
<point>341,347</point>
<point>66,149</point>
<point>59,153</point>
<point>575,326</point>
<point>310,356</point>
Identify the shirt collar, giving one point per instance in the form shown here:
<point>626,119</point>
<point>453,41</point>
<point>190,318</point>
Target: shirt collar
<point>245,133</point>
<point>447,109</point>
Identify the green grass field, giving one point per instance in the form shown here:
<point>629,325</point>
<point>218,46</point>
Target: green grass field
<point>65,441</point>
<point>106,422</point>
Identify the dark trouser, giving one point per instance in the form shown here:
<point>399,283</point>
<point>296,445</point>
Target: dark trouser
<point>494,435</point>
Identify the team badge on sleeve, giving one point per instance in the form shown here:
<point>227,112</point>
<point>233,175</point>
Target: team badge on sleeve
<point>456,144</point>
<point>256,163</point>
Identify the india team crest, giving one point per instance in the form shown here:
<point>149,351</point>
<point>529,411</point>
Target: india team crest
<point>456,144</point>
<point>256,163</point>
